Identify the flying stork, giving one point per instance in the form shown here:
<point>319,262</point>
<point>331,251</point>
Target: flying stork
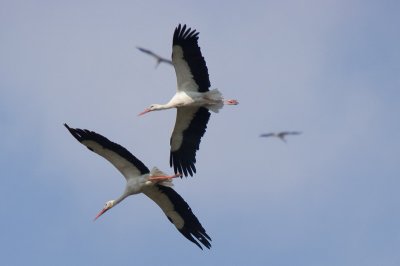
<point>280,135</point>
<point>158,58</point>
<point>139,179</point>
<point>193,100</point>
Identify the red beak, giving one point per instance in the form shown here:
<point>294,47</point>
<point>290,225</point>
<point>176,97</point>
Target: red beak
<point>100,214</point>
<point>144,112</point>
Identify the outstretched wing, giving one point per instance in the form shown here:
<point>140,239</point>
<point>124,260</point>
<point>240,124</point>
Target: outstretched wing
<point>156,56</point>
<point>120,157</point>
<point>179,213</point>
<point>190,66</point>
<point>190,126</point>
<point>267,135</point>
<point>292,132</point>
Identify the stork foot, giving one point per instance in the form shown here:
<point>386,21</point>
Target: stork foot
<point>163,178</point>
<point>231,102</point>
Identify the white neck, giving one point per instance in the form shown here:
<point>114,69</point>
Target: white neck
<point>121,198</point>
<point>168,105</point>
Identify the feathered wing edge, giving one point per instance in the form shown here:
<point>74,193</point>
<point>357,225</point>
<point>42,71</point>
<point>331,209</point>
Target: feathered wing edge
<point>83,135</point>
<point>187,40</point>
<point>186,138</point>
<point>179,213</point>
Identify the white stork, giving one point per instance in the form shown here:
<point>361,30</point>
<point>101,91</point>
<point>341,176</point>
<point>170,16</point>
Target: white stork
<point>158,58</point>
<point>280,135</point>
<point>193,100</point>
<point>139,179</point>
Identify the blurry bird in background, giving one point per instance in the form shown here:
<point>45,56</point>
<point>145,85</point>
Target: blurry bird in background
<point>281,134</point>
<point>158,58</point>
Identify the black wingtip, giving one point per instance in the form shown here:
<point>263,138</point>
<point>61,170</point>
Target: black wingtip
<point>191,228</point>
<point>74,132</point>
<point>182,165</point>
<point>184,34</point>
<point>141,49</point>
<point>202,237</point>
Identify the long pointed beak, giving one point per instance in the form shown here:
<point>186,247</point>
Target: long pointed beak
<point>100,214</point>
<point>144,112</point>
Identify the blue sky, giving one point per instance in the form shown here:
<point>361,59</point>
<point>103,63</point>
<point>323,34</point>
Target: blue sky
<point>327,68</point>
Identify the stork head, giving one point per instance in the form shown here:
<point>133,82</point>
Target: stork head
<point>151,108</point>
<point>109,204</point>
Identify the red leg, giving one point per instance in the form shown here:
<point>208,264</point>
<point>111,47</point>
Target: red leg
<point>161,178</point>
<point>231,102</point>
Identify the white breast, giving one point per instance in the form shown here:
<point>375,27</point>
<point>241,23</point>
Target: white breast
<point>181,99</point>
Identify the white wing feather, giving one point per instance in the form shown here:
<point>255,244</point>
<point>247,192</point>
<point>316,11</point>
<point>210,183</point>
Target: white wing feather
<point>184,76</point>
<point>127,169</point>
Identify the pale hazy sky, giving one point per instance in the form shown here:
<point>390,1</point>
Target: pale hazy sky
<point>327,68</point>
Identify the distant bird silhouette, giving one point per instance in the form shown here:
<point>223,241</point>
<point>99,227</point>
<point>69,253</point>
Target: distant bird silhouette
<point>156,56</point>
<point>281,134</point>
